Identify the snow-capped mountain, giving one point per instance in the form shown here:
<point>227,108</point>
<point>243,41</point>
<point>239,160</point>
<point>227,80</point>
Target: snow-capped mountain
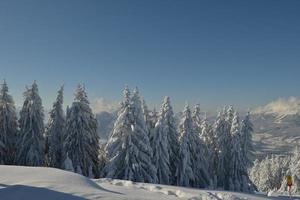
<point>281,108</point>
<point>277,126</point>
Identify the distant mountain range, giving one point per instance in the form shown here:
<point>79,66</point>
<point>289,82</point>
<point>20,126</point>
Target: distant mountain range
<point>277,126</point>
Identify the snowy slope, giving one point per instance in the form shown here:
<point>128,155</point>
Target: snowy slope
<point>22,183</point>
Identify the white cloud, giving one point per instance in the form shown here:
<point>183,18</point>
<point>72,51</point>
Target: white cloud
<point>101,104</point>
<point>282,106</point>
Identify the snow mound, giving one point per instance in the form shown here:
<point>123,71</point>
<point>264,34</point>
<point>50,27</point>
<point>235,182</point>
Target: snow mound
<point>36,183</point>
<point>45,183</point>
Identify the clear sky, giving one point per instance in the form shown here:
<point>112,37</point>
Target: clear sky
<point>244,53</point>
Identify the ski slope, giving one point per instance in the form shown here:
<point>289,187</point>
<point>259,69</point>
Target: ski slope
<point>34,183</point>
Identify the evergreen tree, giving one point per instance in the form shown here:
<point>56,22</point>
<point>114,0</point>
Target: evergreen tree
<point>236,164</point>
<point>239,178</point>
<point>160,145</point>
<point>31,143</point>
<point>55,132</point>
<point>8,126</point>
<point>172,136</point>
<point>82,141</point>
<point>197,119</point>
<point>184,173</point>
<point>119,146</point>
<point>207,136</point>
<point>229,114</point>
<point>198,151</point>
<point>128,149</point>
<point>223,146</point>
<point>246,141</point>
<point>141,138</point>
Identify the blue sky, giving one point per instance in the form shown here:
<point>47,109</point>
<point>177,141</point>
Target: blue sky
<point>244,53</point>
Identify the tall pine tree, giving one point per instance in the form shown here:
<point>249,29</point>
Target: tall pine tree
<point>31,142</point>
<point>142,138</point>
<point>172,136</point>
<point>55,132</point>
<point>198,150</point>
<point>8,126</point>
<point>128,149</point>
<point>223,146</point>
<point>81,140</point>
<point>184,173</point>
<point>160,145</point>
<point>247,143</point>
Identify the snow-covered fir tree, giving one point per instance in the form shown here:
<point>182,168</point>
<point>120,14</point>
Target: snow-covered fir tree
<point>246,141</point>
<point>160,146</point>
<point>128,149</point>
<point>141,139</point>
<point>200,166</point>
<point>210,153</point>
<point>55,133</point>
<point>207,137</point>
<point>236,163</point>
<point>31,142</point>
<point>184,173</point>
<point>196,115</point>
<point>223,146</point>
<point>8,126</point>
<point>81,139</point>
<point>119,145</point>
<point>229,114</point>
<point>172,136</point>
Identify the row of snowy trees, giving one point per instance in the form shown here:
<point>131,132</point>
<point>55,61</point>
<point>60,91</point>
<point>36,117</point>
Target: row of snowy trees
<point>144,146</point>
<point>149,147</point>
<point>68,141</point>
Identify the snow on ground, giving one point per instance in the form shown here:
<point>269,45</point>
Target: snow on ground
<point>34,183</point>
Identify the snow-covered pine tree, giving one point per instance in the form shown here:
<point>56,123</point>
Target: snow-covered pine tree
<point>128,149</point>
<point>81,139</point>
<point>184,173</point>
<point>119,146</point>
<point>160,146</point>
<point>172,136</point>
<point>8,126</point>
<point>141,139</point>
<point>196,116</point>
<point>236,163</point>
<point>247,144</point>
<point>207,136</point>
<point>55,132</point>
<point>31,142</point>
<point>198,150</point>
<point>239,178</point>
<point>223,146</point>
<point>229,114</point>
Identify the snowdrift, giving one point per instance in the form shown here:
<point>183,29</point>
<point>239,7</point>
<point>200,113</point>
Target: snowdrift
<point>36,183</point>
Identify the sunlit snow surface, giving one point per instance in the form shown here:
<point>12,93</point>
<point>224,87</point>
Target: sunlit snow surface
<point>22,183</point>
